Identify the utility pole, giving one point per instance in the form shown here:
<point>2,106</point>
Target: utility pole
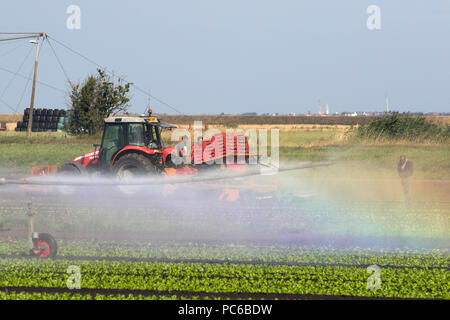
<point>26,35</point>
<point>33,90</point>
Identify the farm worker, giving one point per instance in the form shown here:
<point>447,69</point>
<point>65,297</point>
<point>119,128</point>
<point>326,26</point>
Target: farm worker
<point>182,147</point>
<point>180,151</point>
<point>198,151</point>
<point>199,141</point>
<point>405,171</point>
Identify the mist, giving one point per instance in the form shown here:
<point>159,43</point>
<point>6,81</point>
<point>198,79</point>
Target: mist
<point>294,208</point>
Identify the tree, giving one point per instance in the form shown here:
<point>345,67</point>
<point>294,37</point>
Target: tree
<point>94,99</point>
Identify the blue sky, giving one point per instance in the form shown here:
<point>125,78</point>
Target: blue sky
<point>207,57</point>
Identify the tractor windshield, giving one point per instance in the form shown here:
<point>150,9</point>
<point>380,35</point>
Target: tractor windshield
<point>152,136</point>
<point>144,135</point>
<point>136,134</point>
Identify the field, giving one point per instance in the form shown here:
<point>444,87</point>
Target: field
<point>310,250</point>
<point>316,275</point>
<point>328,235</point>
<point>321,143</point>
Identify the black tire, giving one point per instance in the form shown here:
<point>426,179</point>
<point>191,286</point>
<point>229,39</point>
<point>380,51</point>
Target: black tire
<point>44,247</point>
<point>69,169</point>
<point>133,164</point>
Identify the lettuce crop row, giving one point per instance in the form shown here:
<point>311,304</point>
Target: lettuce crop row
<point>197,277</point>
<point>75,296</point>
<point>229,252</point>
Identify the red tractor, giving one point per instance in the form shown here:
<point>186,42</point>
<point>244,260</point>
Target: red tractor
<point>132,146</point>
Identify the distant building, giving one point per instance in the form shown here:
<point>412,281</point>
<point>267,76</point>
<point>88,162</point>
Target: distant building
<point>349,114</point>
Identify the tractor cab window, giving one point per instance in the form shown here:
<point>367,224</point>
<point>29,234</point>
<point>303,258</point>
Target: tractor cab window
<point>152,137</point>
<point>113,141</point>
<point>136,134</point>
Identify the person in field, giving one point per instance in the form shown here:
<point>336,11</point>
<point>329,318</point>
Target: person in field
<point>182,147</point>
<point>405,171</point>
<point>180,152</point>
<point>198,150</point>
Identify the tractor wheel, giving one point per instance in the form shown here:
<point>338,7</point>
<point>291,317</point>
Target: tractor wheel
<point>44,247</point>
<point>69,170</point>
<point>133,165</point>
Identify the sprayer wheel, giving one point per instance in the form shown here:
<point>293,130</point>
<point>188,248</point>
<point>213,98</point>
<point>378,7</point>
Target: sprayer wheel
<point>44,247</point>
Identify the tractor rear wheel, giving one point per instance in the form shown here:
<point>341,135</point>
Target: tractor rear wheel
<point>133,165</point>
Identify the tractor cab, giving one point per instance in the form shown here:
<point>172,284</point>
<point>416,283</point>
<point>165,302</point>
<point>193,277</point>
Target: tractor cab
<point>130,133</point>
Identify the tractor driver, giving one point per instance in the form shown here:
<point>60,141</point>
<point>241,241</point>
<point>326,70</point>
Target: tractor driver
<point>136,134</point>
